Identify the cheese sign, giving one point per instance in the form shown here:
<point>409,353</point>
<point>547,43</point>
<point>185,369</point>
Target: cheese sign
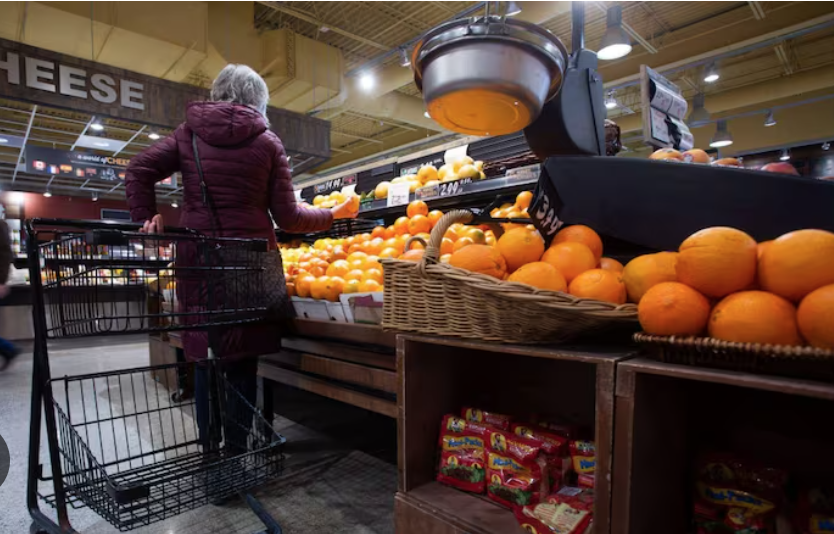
<point>545,207</point>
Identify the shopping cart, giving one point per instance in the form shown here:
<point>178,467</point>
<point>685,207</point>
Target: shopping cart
<point>116,441</point>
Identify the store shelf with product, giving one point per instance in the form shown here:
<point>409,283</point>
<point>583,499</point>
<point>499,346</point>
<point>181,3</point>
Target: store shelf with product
<point>567,389</point>
<point>677,427</point>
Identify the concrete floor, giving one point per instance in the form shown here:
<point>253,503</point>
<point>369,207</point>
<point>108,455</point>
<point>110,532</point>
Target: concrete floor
<point>339,476</point>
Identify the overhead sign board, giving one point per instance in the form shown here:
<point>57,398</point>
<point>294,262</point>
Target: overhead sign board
<point>81,165</point>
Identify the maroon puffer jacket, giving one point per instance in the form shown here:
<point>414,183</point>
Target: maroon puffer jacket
<point>248,176</point>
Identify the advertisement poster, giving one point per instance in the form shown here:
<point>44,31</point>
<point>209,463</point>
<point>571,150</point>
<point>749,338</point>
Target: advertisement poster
<point>80,165</point>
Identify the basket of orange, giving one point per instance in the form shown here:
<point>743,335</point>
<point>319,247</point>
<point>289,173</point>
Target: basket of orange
<point>467,283</point>
<point>726,301</point>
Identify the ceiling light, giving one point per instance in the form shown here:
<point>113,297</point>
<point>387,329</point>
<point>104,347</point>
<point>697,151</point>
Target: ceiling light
<point>16,197</point>
<point>615,44</point>
<point>324,29</point>
<point>174,204</point>
<point>95,197</point>
<point>769,120</point>
<point>826,145</point>
<point>711,73</point>
<point>405,61</point>
<point>97,126</point>
<point>722,136</point>
<point>699,114</point>
<point>102,143</point>
<point>512,9</point>
<point>610,101</point>
<point>367,82</point>
<point>426,114</point>
<point>47,193</point>
<point>153,136</point>
<point>785,156</point>
<point>3,140</point>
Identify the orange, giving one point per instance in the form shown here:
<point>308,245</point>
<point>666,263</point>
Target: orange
<point>389,253</point>
<point>333,288</point>
<point>351,286</point>
<point>378,231</point>
<point>417,207</point>
<point>375,246</point>
<point>570,258</point>
<point>338,268</point>
<point>815,317</point>
<point>645,271</point>
<point>373,274</point>
<point>290,289</point>
<point>522,201</point>
<point>477,236</point>
<point>434,216</point>
<point>447,246</point>
<point>445,258</point>
<point>357,264</point>
<point>390,232</point>
<point>393,243</point>
<point>367,286</point>
<point>372,262</point>
<point>579,233</point>
<point>717,261</point>
<point>354,274</point>
<point>303,284</point>
<point>599,284</point>
<point>419,224</point>
<point>451,234</point>
<point>541,275</point>
<point>318,270</point>
<point>401,225</point>
<point>356,247</point>
<point>520,246</point>
<point>480,259</point>
<point>673,309</point>
<point>610,264</point>
<point>463,242</point>
<point>356,256</point>
<point>318,289</point>
<point>755,317</point>
<point>797,263</point>
<point>761,247</point>
<point>412,255</point>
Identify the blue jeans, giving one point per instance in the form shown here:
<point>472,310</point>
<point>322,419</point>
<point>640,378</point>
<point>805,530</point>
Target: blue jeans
<point>242,376</point>
<point>7,347</point>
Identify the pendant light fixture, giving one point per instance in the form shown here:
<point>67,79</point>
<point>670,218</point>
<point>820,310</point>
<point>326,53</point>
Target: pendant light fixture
<point>405,61</point>
<point>513,9</point>
<point>616,43</point>
<point>711,73</point>
<point>785,156</point>
<point>722,136</point>
<point>610,101</point>
<point>699,114</point>
<point>770,120</point>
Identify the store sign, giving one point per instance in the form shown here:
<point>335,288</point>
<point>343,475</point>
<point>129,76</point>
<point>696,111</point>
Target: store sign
<point>52,77</point>
<point>663,126</point>
<point>84,165</point>
<point>335,184</point>
<point>545,207</point>
<point>398,194</point>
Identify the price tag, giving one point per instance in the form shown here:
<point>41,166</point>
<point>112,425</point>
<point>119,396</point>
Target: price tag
<point>398,194</point>
<point>448,189</point>
<point>427,192</point>
<point>528,172</point>
<point>545,208</point>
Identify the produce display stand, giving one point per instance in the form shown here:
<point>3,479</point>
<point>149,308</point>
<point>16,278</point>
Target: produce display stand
<point>666,414</point>
<point>440,375</point>
<point>350,363</point>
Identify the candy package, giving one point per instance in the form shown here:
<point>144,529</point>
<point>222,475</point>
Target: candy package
<point>515,468</point>
<point>583,456</point>
<point>554,447</point>
<point>569,511</point>
<point>814,511</point>
<point>737,496</point>
<point>462,454</point>
<point>497,420</point>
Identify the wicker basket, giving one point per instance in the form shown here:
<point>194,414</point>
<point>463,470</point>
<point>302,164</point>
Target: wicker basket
<point>437,299</point>
<point>782,360</point>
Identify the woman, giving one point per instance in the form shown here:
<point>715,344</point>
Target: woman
<point>247,178</point>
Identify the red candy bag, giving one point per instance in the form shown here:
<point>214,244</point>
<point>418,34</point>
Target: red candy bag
<point>473,415</point>
<point>814,512</point>
<point>554,446</point>
<point>462,454</point>
<point>583,457</point>
<point>514,469</point>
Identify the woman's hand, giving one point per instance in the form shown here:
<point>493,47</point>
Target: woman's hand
<point>153,226</point>
<point>348,209</point>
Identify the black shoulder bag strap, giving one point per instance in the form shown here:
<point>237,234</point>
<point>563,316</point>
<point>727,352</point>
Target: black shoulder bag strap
<point>208,201</point>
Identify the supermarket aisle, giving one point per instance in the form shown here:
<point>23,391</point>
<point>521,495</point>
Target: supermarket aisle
<point>328,485</point>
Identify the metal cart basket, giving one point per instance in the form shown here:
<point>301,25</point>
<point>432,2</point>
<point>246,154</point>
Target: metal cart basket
<point>117,443</point>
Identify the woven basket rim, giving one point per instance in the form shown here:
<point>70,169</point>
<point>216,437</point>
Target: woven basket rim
<point>752,349</point>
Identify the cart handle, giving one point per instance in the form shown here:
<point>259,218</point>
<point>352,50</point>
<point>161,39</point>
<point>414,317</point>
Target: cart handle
<point>98,225</point>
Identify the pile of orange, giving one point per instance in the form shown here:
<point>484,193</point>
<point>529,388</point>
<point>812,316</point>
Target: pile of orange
<point>725,284</point>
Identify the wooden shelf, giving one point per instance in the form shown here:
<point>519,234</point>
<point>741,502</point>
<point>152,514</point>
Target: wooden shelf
<point>461,512</point>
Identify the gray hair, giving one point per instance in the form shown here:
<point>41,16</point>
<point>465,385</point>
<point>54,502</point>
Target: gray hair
<point>241,85</point>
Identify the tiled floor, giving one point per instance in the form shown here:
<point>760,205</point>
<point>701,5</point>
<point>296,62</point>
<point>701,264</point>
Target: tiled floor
<point>328,485</point>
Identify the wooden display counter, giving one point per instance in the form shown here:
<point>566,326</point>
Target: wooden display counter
<point>350,363</point>
<point>666,415</point>
<point>440,375</point>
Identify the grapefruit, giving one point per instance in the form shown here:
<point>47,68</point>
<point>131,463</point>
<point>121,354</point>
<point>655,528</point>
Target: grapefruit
<point>718,261</point>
